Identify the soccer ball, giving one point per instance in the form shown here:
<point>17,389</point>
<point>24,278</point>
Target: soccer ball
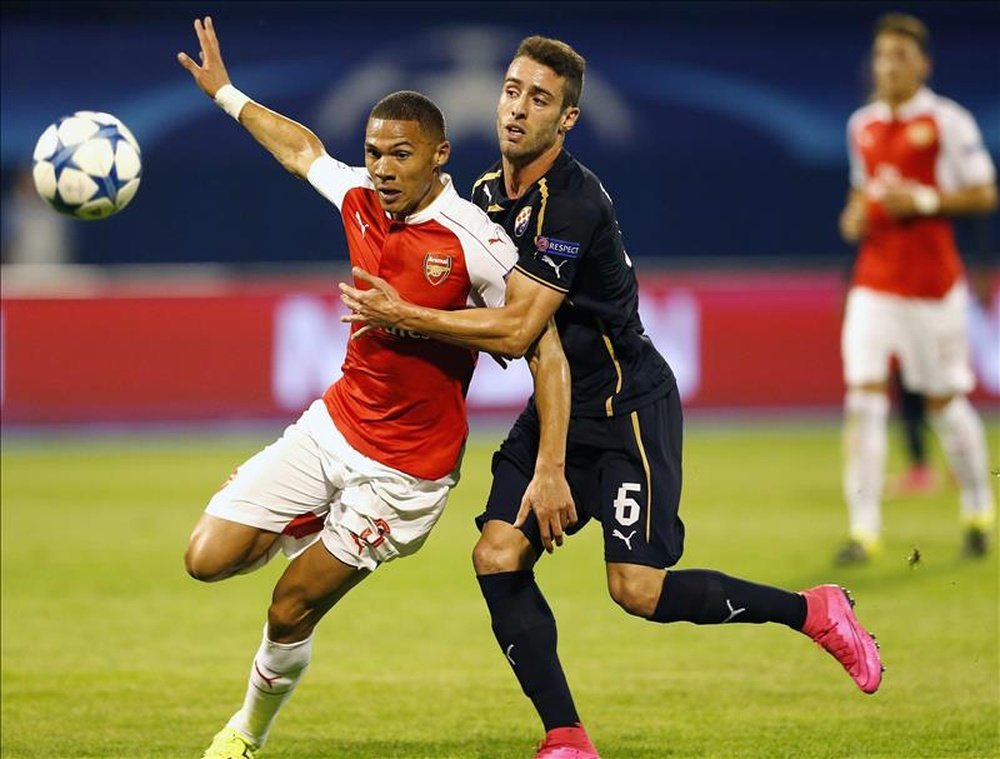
<point>87,165</point>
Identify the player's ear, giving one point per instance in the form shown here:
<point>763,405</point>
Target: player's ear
<point>442,154</point>
<point>568,120</point>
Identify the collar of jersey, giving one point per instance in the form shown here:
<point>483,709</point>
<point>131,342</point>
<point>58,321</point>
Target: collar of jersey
<point>921,102</point>
<point>441,202</point>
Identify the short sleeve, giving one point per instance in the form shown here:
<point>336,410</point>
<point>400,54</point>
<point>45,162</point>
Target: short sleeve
<point>332,179</point>
<point>858,174</point>
<point>565,228</point>
<point>964,150</point>
<point>489,271</point>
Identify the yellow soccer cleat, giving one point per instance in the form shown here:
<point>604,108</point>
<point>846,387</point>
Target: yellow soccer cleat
<point>229,744</point>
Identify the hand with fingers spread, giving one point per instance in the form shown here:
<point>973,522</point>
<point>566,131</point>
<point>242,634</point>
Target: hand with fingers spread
<point>549,497</point>
<point>378,306</point>
<point>211,75</point>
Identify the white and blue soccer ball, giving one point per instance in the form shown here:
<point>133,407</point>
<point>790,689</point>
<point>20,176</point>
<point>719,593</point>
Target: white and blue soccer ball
<point>87,165</point>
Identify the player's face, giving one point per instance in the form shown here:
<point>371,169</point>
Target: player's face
<point>530,115</point>
<point>403,162</point>
<point>899,66</point>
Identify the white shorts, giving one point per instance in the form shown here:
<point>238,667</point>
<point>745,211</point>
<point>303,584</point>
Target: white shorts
<point>310,485</point>
<point>928,336</point>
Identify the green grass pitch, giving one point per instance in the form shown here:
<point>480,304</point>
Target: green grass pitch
<point>110,650</point>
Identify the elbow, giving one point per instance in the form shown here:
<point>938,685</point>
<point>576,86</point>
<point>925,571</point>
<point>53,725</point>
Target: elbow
<point>301,159</point>
<point>518,345</point>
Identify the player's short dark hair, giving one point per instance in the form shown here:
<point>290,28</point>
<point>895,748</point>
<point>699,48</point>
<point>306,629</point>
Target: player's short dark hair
<point>907,25</point>
<point>407,105</point>
<point>559,57</point>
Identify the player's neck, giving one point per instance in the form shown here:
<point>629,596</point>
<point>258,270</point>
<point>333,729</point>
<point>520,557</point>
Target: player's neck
<point>435,189</point>
<point>896,100</point>
<point>518,177</point>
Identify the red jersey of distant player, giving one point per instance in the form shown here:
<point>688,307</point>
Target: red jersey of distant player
<point>401,398</point>
<point>930,141</point>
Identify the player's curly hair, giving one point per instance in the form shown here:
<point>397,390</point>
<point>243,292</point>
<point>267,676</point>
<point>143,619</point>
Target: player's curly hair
<point>905,24</point>
<point>407,105</point>
<point>559,57</point>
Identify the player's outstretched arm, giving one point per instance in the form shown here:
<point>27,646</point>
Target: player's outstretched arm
<point>293,145</point>
<point>508,331</point>
<point>548,494</point>
<point>854,217</point>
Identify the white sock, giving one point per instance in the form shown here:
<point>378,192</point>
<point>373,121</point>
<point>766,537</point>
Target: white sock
<point>964,442</point>
<point>866,443</point>
<point>276,670</point>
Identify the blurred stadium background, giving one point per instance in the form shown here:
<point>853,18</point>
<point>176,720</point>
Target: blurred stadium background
<point>718,129</point>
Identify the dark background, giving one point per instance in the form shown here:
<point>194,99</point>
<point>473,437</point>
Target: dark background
<point>718,128</point>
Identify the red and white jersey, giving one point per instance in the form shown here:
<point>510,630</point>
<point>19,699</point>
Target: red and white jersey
<point>930,141</point>
<point>401,399</point>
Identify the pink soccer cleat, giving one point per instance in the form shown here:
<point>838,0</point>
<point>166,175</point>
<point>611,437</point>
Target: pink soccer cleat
<point>830,621</point>
<point>567,743</point>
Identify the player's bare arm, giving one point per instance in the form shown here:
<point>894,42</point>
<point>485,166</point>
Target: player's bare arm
<point>508,331</point>
<point>294,146</point>
<point>548,494</point>
<point>854,217</point>
<point>905,202</point>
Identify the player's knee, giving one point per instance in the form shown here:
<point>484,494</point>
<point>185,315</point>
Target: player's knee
<point>203,565</point>
<point>289,619</point>
<point>493,555</point>
<point>638,595</point>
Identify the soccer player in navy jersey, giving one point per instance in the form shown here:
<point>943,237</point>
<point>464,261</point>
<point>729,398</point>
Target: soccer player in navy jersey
<point>623,459</point>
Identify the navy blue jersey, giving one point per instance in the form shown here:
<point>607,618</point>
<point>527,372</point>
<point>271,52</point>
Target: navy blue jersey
<point>568,239</point>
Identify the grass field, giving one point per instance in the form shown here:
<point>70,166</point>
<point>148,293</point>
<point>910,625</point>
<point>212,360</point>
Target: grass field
<point>110,650</point>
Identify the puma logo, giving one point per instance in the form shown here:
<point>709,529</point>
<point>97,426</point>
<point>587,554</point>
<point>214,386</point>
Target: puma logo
<point>268,680</point>
<point>361,224</point>
<point>627,541</point>
<point>554,265</point>
<point>732,612</point>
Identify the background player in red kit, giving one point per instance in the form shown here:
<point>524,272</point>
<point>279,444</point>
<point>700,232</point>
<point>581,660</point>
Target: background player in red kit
<point>625,435</point>
<point>916,159</point>
<point>363,475</point>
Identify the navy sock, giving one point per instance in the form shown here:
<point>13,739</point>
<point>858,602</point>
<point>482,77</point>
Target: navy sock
<point>706,597</point>
<point>526,631</point>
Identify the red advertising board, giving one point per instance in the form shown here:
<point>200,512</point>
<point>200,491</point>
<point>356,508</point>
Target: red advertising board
<point>191,350</point>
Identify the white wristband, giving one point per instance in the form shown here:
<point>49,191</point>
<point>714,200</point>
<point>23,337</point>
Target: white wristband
<point>231,100</point>
<point>926,200</point>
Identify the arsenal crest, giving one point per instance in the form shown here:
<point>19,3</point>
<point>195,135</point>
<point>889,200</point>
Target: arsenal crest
<point>921,134</point>
<point>437,267</point>
<point>521,222</point>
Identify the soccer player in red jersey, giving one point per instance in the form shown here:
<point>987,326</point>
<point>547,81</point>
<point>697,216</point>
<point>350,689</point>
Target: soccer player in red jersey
<point>361,478</point>
<point>916,159</point>
<point>625,434</point>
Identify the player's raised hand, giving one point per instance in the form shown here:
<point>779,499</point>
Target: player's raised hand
<point>549,497</point>
<point>378,306</point>
<point>211,75</point>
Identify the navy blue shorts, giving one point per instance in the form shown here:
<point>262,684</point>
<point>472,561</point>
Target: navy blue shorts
<point>623,471</point>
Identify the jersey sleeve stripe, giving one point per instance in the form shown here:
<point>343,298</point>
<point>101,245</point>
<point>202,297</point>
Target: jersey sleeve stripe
<point>486,178</point>
<point>538,279</point>
<point>543,189</point>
